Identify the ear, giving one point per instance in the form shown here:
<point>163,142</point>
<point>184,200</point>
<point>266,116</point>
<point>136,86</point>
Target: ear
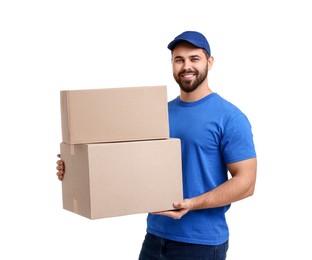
<point>210,62</point>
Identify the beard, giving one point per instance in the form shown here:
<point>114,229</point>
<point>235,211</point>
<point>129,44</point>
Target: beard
<point>190,86</point>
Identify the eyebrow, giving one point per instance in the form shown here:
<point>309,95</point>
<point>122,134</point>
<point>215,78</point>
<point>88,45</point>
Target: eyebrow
<point>192,56</point>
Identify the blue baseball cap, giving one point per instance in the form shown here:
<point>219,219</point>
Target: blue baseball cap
<point>192,37</point>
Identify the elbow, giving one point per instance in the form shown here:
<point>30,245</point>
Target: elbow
<point>252,184</point>
<point>251,190</point>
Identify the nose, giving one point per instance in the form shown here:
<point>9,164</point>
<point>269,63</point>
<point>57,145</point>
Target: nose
<point>187,65</point>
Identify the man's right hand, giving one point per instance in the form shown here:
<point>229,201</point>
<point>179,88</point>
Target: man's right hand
<point>60,168</point>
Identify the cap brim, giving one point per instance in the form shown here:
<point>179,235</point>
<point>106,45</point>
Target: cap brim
<point>174,42</point>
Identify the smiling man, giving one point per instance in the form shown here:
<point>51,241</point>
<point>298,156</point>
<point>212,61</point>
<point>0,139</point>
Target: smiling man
<point>216,138</point>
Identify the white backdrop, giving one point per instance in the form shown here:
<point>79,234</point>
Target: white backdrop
<point>262,52</point>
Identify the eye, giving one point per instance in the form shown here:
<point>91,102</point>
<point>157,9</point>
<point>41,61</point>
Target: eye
<point>178,60</point>
<point>194,59</point>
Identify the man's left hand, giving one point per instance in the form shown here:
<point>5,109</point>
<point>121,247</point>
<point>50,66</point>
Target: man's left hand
<point>181,208</point>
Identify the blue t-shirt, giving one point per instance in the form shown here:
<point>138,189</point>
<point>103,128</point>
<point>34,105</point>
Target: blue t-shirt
<point>213,133</point>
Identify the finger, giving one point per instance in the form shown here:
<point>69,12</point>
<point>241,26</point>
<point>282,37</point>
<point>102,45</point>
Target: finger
<point>174,215</point>
<point>60,168</point>
<point>60,162</point>
<point>171,214</point>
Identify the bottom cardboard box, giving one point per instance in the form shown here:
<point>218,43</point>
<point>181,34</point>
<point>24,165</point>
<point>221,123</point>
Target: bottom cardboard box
<point>113,179</point>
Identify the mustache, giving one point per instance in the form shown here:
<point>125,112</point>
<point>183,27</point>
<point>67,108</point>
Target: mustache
<point>187,71</point>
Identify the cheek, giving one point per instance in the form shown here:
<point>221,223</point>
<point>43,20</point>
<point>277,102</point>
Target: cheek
<point>176,68</point>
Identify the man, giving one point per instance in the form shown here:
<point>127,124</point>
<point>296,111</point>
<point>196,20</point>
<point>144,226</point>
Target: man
<point>216,138</point>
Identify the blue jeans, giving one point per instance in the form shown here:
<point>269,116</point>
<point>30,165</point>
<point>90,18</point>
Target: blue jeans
<point>156,248</point>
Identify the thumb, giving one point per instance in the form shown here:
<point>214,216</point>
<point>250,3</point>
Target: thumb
<point>177,205</point>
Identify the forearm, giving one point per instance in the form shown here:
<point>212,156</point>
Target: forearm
<point>235,189</point>
<point>240,186</point>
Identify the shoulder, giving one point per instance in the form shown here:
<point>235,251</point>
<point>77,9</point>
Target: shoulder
<point>225,104</point>
<point>224,109</point>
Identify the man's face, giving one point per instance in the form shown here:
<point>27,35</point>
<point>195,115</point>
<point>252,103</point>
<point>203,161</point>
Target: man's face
<point>190,66</point>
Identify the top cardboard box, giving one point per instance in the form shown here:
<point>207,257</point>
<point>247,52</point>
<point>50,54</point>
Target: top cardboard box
<point>114,114</point>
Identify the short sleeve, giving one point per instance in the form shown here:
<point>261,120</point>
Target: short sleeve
<point>237,140</point>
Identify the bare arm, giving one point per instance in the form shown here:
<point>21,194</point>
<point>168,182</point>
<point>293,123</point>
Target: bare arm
<point>240,186</point>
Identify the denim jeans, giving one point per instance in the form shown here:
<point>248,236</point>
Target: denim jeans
<point>156,248</point>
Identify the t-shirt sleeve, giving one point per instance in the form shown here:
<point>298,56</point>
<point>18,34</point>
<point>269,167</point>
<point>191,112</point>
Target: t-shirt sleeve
<point>237,141</point>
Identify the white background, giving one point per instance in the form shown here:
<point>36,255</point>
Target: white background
<point>262,52</point>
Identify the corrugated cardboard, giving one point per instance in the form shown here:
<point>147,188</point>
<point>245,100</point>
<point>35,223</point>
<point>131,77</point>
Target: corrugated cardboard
<point>113,179</point>
<point>114,114</point>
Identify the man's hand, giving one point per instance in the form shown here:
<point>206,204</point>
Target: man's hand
<point>60,168</point>
<point>181,208</point>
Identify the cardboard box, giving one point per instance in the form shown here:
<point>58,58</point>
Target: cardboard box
<point>114,114</point>
<point>113,179</point>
